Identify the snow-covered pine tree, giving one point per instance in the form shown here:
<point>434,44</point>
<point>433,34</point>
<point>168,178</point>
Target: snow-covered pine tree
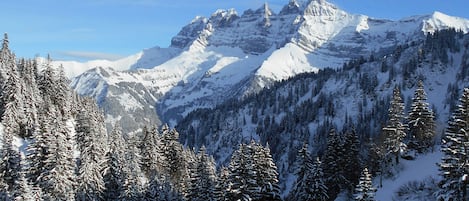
<point>59,182</point>
<point>364,191</point>
<point>310,183</point>
<point>150,152</point>
<point>13,102</point>
<point>242,178</point>
<point>421,121</point>
<point>153,189</point>
<point>352,163</point>
<point>7,64</point>
<point>5,53</point>
<point>333,164</point>
<point>317,188</point>
<point>61,93</point>
<point>394,131</point>
<point>23,191</point>
<point>220,192</point>
<point>10,168</point>
<point>158,189</point>
<point>133,187</point>
<point>299,191</point>
<point>454,166</point>
<point>32,99</point>
<point>38,150</point>
<point>267,176</point>
<point>114,177</point>
<point>91,161</point>
<point>190,157</point>
<point>174,165</point>
<point>46,83</point>
<point>203,178</point>
<point>252,174</point>
<point>4,194</point>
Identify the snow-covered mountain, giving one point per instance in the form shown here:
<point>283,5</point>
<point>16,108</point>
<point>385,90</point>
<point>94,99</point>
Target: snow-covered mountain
<point>229,55</point>
<point>353,97</point>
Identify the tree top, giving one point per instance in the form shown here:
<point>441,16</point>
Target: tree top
<point>5,41</point>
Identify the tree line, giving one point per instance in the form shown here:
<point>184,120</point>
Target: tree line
<point>55,147</point>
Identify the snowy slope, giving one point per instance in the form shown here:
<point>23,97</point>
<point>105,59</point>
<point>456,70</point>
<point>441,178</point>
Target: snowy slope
<point>229,55</point>
<point>424,167</point>
<point>147,58</point>
<point>305,107</point>
<point>438,21</point>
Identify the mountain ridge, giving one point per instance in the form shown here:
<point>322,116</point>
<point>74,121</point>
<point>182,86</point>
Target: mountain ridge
<point>243,54</point>
<point>355,97</point>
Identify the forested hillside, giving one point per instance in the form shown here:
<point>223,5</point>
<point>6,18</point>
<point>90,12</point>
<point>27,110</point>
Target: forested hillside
<point>315,136</point>
<point>54,146</point>
<point>353,103</point>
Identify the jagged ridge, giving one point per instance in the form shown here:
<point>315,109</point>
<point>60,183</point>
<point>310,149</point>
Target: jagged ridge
<point>229,55</point>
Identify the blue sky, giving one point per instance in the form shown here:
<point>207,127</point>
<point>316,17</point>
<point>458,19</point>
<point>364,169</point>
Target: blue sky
<point>91,29</point>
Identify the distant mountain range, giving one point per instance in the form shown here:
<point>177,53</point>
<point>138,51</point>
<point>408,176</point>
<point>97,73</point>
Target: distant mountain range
<point>230,55</point>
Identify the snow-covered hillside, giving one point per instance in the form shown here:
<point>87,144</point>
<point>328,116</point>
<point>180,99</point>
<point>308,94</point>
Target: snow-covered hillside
<point>421,170</point>
<point>147,58</point>
<point>304,108</point>
<point>229,55</point>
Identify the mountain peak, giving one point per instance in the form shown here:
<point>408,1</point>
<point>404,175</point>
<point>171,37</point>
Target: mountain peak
<point>223,18</point>
<point>439,21</point>
<point>266,13</point>
<point>293,7</point>
<point>189,32</point>
<point>320,8</point>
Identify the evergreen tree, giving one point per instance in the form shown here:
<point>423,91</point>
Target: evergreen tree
<point>352,163</point>
<point>454,166</point>
<point>4,194</point>
<point>158,189</point>
<point>191,161</point>
<point>13,100</point>
<point>10,167</point>
<point>421,121</point>
<point>174,165</point>
<point>150,152</point>
<point>252,174</point>
<point>7,65</point>
<point>132,185</point>
<point>114,177</point>
<point>242,183</point>
<point>90,179</point>
<point>310,183</point>
<point>203,178</point>
<point>38,149</point>
<point>47,84</point>
<point>24,190</point>
<point>365,190</point>
<point>221,188</point>
<point>267,176</point>
<point>32,100</point>
<point>58,183</point>
<point>153,190</point>
<point>300,188</point>
<point>61,92</point>
<point>375,159</point>
<point>333,165</point>
<point>317,189</point>
<point>394,131</point>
